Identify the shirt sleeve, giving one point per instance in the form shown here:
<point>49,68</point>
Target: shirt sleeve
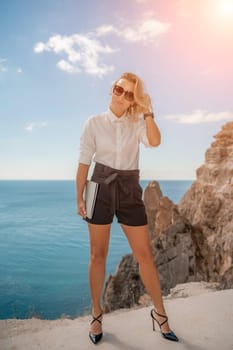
<point>87,143</point>
<point>142,136</point>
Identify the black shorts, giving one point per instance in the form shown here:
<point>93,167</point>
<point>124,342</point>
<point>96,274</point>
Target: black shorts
<point>119,194</point>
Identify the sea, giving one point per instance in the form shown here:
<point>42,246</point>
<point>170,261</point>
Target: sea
<point>44,248</point>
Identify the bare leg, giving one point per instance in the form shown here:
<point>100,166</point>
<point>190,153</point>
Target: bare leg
<point>138,237</point>
<point>99,241</point>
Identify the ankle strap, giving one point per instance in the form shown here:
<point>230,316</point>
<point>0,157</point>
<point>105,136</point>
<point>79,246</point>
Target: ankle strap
<point>96,318</point>
<point>166,318</point>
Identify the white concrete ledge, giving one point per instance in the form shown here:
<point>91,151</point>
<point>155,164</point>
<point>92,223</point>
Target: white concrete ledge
<point>202,322</point>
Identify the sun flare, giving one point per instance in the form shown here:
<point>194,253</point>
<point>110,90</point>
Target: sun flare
<point>227,7</point>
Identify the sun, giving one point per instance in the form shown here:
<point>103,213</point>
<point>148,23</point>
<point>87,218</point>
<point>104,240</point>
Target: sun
<point>227,7</point>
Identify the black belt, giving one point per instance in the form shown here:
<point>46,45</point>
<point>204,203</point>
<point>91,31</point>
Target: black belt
<point>116,180</point>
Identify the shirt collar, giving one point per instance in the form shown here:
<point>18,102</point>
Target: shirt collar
<point>113,118</point>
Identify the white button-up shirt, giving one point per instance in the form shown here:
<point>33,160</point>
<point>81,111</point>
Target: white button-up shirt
<point>113,141</point>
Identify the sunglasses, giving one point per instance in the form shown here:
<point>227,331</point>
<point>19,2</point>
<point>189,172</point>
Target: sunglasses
<point>118,91</point>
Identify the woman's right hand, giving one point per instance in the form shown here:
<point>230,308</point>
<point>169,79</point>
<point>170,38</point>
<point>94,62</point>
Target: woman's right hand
<point>82,208</point>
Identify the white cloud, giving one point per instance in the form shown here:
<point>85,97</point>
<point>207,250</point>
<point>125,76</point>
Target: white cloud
<point>67,67</point>
<point>39,47</point>
<point>147,29</point>
<point>2,65</point>
<point>31,126</point>
<point>105,29</point>
<point>84,51</point>
<point>200,116</point>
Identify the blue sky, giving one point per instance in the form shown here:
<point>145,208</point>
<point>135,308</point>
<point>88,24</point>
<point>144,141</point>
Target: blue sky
<point>59,58</point>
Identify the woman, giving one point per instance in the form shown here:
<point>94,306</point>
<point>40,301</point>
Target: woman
<point>113,139</point>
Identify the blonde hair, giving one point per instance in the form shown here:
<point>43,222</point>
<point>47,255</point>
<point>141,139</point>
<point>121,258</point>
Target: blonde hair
<point>142,101</point>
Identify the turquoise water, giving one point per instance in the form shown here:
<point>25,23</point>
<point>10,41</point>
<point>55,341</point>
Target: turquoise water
<point>44,248</point>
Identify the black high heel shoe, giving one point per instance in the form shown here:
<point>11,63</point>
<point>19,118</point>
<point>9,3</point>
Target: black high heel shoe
<point>170,335</point>
<point>95,338</point>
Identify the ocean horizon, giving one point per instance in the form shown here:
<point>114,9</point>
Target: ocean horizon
<point>44,248</point>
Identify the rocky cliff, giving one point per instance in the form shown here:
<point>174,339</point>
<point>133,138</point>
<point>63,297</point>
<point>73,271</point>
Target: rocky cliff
<point>208,205</point>
<point>191,241</point>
